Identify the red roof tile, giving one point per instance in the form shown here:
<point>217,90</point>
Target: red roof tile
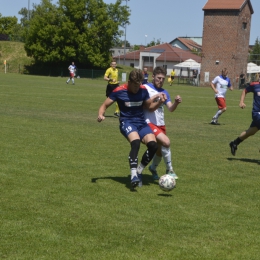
<point>227,5</point>
<point>168,53</point>
<point>190,43</point>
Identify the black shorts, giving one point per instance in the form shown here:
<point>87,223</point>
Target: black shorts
<point>110,88</point>
<point>172,77</point>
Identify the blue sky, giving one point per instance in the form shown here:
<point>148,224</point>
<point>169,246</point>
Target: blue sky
<point>153,19</point>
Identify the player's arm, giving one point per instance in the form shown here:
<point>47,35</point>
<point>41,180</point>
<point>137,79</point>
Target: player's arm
<point>106,78</point>
<point>213,86</point>
<point>155,101</point>
<point>242,98</point>
<point>172,106</point>
<point>101,112</point>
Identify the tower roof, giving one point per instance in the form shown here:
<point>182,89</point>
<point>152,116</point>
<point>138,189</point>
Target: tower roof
<point>227,5</point>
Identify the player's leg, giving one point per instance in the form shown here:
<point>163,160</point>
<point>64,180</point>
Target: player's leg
<point>243,136</point>
<point>129,131</point>
<point>164,142</point>
<point>221,109</point>
<point>148,138</point>
<point>68,80</point>
<point>150,141</point>
<point>117,111</point>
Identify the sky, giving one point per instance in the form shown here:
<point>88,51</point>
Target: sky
<point>150,20</point>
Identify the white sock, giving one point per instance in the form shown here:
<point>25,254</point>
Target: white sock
<point>167,157</point>
<point>140,168</point>
<point>218,114</point>
<point>155,162</point>
<point>133,173</point>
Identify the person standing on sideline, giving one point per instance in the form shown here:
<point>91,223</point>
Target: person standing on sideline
<point>72,69</point>
<point>111,75</point>
<point>254,88</point>
<point>220,85</point>
<point>146,75</point>
<point>131,98</point>
<point>242,79</point>
<point>156,121</point>
<point>195,77</point>
<point>172,76</point>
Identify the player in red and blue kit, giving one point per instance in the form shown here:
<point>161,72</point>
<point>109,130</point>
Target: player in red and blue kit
<point>156,121</point>
<point>132,98</point>
<point>220,85</point>
<point>254,87</point>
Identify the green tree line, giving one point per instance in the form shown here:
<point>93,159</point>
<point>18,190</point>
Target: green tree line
<point>78,30</point>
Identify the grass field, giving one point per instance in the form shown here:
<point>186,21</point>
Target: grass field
<point>65,178</point>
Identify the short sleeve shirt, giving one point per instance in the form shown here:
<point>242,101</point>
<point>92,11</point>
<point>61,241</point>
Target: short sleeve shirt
<point>112,74</point>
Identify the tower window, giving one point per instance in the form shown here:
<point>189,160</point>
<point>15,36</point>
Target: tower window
<point>244,26</point>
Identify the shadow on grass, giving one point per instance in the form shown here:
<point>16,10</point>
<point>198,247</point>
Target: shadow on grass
<point>244,160</point>
<point>165,194</point>
<point>147,180</point>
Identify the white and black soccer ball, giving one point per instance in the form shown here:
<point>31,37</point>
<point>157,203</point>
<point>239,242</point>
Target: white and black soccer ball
<point>167,182</point>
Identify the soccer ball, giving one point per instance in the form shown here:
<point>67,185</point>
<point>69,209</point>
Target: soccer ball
<point>167,182</point>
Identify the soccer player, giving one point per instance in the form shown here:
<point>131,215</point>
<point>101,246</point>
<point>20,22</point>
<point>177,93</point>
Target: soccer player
<point>155,119</point>
<point>131,98</point>
<point>111,76</point>
<point>220,85</point>
<point>254,88</point>
<point>72,70</point>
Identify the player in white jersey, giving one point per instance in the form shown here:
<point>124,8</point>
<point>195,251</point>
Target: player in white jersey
<point>220,85</point>
<point>156,122</point>
<point>72,70</point>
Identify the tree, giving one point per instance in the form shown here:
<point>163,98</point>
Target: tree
<point>79,30</point>
<point>153,43</point>
<point>255,53</point>
<point>7,25</point>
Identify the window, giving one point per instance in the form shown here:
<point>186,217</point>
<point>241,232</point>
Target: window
<point>244,26</point>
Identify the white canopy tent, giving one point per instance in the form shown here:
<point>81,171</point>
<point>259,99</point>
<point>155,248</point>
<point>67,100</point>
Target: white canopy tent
<point>190,63</point>
<point>184,69</point>
<point>252,68</point>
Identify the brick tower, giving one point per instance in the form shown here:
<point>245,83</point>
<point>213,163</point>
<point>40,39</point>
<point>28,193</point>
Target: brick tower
<point>225,42</point>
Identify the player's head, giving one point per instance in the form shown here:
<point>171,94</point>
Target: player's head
<point>72,62</point>
<point>224,73</point>
<point>145,70</point>
<point>135,80</point>
<point>159,74</point>
<point>113,64</point>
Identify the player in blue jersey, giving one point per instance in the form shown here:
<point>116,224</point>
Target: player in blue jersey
<point>156,121</point>
<point>132,97</point>
<point>254,87</point>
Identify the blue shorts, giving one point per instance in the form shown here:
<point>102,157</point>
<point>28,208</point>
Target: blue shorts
<point>256,120</point>
<point>127,127</point>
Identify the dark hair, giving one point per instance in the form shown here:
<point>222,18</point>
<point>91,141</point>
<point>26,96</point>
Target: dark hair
<point>159,70</point>
<point>225,70</point>
<point>136,76</point>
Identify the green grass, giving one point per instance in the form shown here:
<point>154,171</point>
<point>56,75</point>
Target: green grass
<point>64,178</point>
<point>15,56</point>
